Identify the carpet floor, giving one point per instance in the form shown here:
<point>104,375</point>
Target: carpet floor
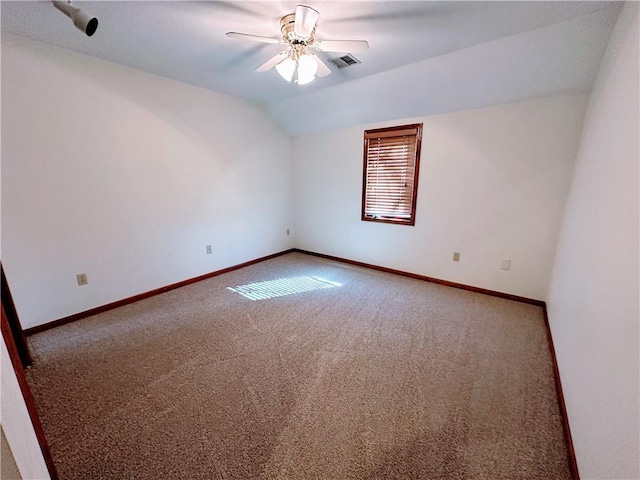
<point>359,375</point>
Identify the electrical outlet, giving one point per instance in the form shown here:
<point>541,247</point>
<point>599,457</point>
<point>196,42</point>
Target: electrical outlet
<point>506,264</point>
<point>456,256</point>
<point>209,250</point>
<point>288,232</point>
<point>82,279</point>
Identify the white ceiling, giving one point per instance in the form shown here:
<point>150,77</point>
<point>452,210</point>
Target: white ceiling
<point>436,56</point>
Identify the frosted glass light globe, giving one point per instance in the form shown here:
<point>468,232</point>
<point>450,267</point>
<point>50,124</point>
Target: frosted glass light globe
<point>286,68</point>
<point>307,68</point>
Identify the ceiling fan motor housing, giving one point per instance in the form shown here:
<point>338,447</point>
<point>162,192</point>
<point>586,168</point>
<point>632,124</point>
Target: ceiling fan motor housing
<point>297,63</point>
<point>287,24</point>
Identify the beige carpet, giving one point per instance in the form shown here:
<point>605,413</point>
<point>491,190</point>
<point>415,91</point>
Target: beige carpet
<point>382,377</point>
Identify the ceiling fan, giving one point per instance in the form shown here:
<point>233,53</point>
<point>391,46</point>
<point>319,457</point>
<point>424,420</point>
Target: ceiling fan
<point>298,63</point>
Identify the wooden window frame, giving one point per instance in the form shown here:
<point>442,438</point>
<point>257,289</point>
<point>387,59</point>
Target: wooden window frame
<point>392,132</point>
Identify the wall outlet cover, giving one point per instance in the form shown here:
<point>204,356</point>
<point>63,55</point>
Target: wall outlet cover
<point>82,279</point>
<point>456,256</point>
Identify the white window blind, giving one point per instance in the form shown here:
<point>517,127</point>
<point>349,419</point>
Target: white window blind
<point>391,161</point>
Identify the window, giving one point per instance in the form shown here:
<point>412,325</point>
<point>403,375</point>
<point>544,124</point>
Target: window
<point>390,174</point>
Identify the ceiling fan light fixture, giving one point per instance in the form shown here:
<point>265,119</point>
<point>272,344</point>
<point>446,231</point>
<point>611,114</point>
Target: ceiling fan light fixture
<point>286,68</point>
<point>307,64</point>
<point>302,71</point>
<point>298,63</point>
<point>307,68</point>
<point>303,80</point>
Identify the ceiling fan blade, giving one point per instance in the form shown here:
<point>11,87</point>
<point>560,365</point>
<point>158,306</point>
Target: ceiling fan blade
<point>323,70</point>
<point>353,46</point>
<point>272,62</point>
<point>306,18</point>
<point>253,38</point>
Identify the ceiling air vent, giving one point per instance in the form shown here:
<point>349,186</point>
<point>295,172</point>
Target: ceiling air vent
<point>345,61</point>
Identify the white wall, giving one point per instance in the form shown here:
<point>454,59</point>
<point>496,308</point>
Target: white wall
<point>16,423</point>
<point>126,176</point>
<point>593,297</point>
<point>492,186</point>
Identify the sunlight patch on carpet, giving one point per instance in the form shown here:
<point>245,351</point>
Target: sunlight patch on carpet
<point>282,287</point>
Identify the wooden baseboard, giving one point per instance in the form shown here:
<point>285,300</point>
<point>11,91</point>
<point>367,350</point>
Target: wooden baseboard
<point>142,296</point>
<point>157,291</point>
<point>571,453</point>
<point>447,283</point>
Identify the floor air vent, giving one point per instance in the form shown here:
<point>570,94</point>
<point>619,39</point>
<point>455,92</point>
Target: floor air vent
<point>345,61</point>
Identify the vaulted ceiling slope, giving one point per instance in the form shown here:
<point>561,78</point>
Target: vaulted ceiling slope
<point>424,57</point>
